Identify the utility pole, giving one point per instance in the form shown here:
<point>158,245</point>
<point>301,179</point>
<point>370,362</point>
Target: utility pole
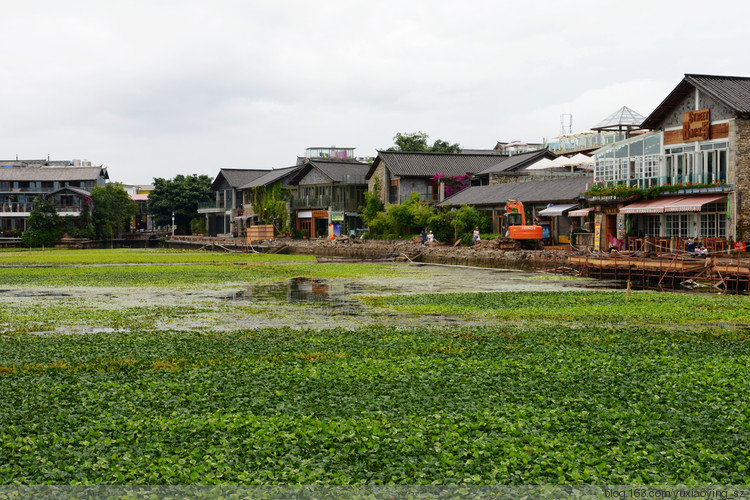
<point>172,224</point>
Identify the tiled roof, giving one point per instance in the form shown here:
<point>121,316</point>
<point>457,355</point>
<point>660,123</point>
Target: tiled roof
<point>518,162</point>
<point>428,164</point>
<point>237,177</point>
<point>51,173</point>
<point>732,91</point>
<point>72,189</point>
<point>336,170</point>
<point>566,189</point>
<point>271,176</point>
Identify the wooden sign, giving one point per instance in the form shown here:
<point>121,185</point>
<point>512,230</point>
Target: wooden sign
<point>696,125</point>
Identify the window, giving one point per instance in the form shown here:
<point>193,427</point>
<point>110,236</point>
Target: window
<point>654,225</point>
<point>676,225</point>
<point>713,220</point>
<point>393,193</point>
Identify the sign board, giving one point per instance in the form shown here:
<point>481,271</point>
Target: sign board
<point>320,214</point>
<point>598,231</point>
<point>696,125</point>
<point>337,216</point>
<point>740,246</point>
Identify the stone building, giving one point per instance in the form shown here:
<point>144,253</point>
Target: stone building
<point>697,158</point>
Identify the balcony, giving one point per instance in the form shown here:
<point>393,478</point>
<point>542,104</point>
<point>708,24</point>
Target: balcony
<point>323,202</point>
<point>210,207</point>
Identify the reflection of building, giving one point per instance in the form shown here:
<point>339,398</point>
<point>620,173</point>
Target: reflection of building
<point>21,181</point>
<point>696,163</point>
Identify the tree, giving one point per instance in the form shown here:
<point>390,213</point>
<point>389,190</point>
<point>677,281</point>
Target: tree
<point>373,206</point>
<point>44,225</point>
<point>270,205</point>
<point>113,210</point>
<point>416,142</point>
<point>180,196</point>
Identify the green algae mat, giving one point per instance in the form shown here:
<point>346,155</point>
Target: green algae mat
<point>103,385</point>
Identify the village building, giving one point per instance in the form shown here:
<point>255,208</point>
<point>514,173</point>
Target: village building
<point>548,202</point>
<point>256,190</point>
<point>221,213</point>
<point>693,169</point>
<point>399,174</point>
<point>22,181</point>
<point>328,195</point>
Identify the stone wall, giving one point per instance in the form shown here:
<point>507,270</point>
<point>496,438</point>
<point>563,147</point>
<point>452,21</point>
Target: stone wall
<point>742,187</point>
<point>380,175</point>
<point>502,179</point>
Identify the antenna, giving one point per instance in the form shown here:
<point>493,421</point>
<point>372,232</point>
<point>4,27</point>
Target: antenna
<point>566,123</point>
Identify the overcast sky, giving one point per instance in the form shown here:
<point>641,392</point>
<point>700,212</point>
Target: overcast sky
<point>158,88</point>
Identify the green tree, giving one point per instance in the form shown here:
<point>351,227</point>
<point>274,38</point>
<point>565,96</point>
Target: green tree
<point>180,196</point>
<point>416,142</point>
<point>373,206</point>
<point>44,225</point>
<point>270,205</point>
<point>113,210</point>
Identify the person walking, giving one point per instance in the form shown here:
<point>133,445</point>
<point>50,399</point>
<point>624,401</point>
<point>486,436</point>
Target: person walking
<point>424,236</point>
<point>475,237</point>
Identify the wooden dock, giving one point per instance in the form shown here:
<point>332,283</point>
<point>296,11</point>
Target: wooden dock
<point>667,271</point>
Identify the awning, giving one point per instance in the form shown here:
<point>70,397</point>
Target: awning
<point>693,203</point>
<point>649,206</point>
<point>304,214</point>
<point>556,210</point>
<point>241,217</point>
<point>672,204</point>
<point>583,212</point>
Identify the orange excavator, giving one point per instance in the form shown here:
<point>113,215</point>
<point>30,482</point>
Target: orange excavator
<point>515,228</point>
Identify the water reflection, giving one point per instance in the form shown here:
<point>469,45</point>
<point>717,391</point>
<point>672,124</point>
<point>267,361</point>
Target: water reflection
<point>306,291</point>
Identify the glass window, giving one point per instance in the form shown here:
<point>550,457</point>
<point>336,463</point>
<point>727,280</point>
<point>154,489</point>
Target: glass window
<point>653,144</point>
<point>676,225</point>
<point>636,148</point>
<point>654,225</point>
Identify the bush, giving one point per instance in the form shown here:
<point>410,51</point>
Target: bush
<point>198,226</point>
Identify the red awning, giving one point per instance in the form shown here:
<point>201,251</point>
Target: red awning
<point>649,206</point>
<point>693,203</point>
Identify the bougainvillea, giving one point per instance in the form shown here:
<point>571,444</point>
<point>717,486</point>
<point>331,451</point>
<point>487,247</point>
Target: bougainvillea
<point>453,183</point>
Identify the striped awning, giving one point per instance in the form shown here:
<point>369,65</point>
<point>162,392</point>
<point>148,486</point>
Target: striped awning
<point>556,210</point>
<point>693,203</point>
<point>671,204</point>
<point>581,212</point>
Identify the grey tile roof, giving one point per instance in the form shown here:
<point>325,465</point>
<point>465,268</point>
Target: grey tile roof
<point>428,164</point>
<point>72,189</point>
<point>39,173</point>
<point>336,170</point>
<point>237,177</point>
<point>556,190</point>
<point>271,177</point>
<point>518,162</point>
<point>732,91</point>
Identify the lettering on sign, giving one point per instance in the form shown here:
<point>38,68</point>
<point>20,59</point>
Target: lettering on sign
<point>696,125</point>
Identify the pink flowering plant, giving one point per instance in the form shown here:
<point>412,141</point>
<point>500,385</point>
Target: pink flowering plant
<point>453,183</point>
